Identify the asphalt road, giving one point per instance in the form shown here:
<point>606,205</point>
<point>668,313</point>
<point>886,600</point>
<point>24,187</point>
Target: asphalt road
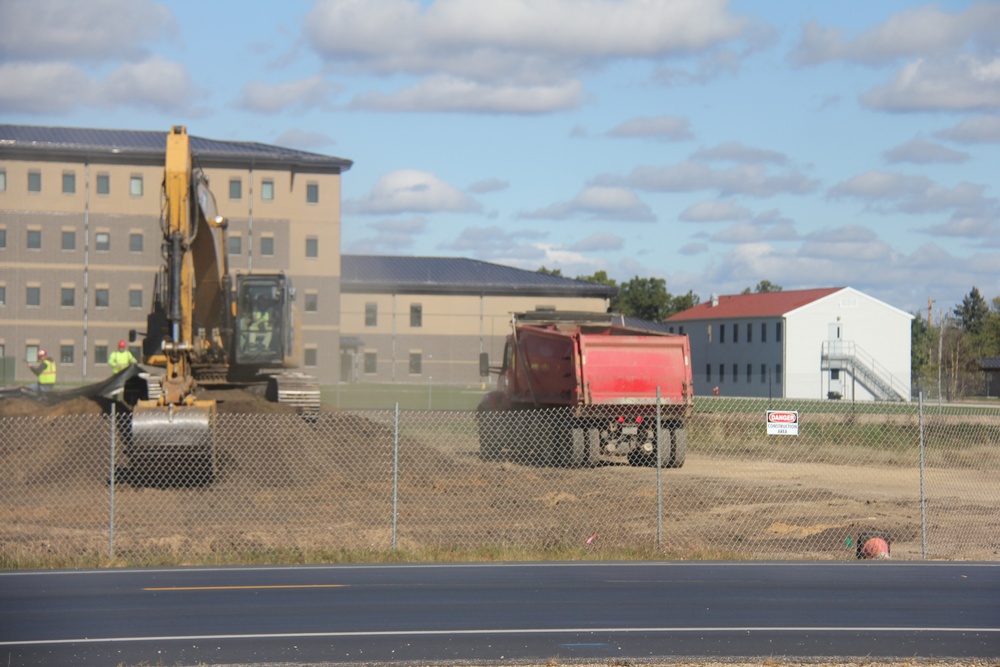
<point>493,612</point>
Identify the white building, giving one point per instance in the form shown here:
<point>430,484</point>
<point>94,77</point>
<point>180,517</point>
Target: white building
<point>818,343</point>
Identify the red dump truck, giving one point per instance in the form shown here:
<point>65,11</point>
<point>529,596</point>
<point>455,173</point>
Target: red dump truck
<point>605,375</point>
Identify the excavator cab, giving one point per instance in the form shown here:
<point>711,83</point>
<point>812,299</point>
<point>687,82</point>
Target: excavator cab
<point>263,320</point>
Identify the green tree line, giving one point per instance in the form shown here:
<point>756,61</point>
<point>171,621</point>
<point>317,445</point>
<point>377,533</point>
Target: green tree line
<point>945,350</point>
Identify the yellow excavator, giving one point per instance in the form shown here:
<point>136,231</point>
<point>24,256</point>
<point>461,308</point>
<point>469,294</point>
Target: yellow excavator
<point>206,330</point>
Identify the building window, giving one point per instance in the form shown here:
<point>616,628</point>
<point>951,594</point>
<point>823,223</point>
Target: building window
<point>722,373</point>
<point>681,331</point>
<point>416,315</point>
<point>312,302</point>
<point>763,373</point>
<point>3,295</point>
<point>708,372</point>
<point>312,246</point>
<point>371,363</point>
<point>135,186</point>
<point>103,184</point>
<point>65,354</point>
<point>69,183</point>
<point>777,374</point>
<point>34,239</point>
<point>312,193</point>
<point>749,332</point>
<point>736,372</point>
<point>371,314</point>
<point>3,238</point>
<point>749,372</point>
<point>235,188</point>
<point>135,298</point>
<point>736,333</point>
<point>310,356</point>
<point>3,180</point>
<point>34,181</point>
<point>102,297</point>
<point>67,297</point>
<point>33,296</point>
<point>722,333</point>
<point>777,332</point>
<point>235,245</point>
<point>763,332</point>
<point>68,239</point>
<point>267,246</point>
<point>135,242</point>
<point>416,363</point>
<point>102,241</point>
<point>101,354</point>
<point>267,190</point>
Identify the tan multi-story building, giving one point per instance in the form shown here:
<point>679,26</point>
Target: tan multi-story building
<point>80,239</point>
<point>427,319</point>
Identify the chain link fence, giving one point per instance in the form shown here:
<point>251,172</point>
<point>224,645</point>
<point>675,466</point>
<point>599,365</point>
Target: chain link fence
<point>715,485</point>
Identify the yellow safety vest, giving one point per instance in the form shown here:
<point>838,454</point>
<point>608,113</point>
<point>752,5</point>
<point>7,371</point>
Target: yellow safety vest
<point>48,375</point>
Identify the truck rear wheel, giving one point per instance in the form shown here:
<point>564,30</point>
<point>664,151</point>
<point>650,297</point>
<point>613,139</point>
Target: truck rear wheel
<point>490,438</point>
<point>678,447</point>
<point>584,448</point>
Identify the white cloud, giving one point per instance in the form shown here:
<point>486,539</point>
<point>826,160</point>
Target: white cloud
<point>412,191</point>
<point>313,92</point>
<point>977,130</point>
<point>735,151</point>
<point>921,151</point>
<point>964,83</point>
<point>599,242</point>
<point>489,185</point>
<point>916,32</point>
<point>714,211</point>
<point>598,203</point>
<point>98,30</point>
<point>689,176</point>
<point>888,191</point>
<point>448,93</point>
<point>664,128</point>
<point>155,83</point>
<point>44,87</point>
<point>521,56</point>
<point>296,138</point>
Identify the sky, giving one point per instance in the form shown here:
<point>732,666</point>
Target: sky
<point>712,144</point>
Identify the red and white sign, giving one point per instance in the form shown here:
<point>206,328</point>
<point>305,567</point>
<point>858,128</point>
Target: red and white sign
<point>782,422</point>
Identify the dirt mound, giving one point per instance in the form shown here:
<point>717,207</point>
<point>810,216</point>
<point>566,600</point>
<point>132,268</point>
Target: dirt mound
<point>28,407</point>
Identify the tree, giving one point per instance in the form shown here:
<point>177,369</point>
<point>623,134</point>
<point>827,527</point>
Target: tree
<point>550,272</point>
<point>682,302</point>
<point>645,298</point>
<point>972,312</point>
<point>763,287</point>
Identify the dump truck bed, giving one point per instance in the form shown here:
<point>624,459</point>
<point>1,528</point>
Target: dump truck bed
<point>624,370</point>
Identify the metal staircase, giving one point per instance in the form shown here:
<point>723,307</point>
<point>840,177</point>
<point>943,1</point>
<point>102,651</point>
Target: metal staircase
<point>846,356</point>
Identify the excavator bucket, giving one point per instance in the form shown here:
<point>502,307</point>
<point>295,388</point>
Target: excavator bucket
<point>172,445</point>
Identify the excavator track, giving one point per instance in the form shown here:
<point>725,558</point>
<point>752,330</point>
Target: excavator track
<point>296,389</point>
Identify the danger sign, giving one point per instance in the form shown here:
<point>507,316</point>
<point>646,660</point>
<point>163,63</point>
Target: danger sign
<point>782,422</point>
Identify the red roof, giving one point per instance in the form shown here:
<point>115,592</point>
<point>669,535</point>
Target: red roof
<point>768,304</point>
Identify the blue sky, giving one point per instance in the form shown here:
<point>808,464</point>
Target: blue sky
<point>713,144</point>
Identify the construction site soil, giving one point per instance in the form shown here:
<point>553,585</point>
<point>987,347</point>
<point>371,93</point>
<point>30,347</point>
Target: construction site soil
<point>327,484</point>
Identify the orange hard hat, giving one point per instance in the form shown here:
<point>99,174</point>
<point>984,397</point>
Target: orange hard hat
<point>41,353</point>
<point>121,345</point>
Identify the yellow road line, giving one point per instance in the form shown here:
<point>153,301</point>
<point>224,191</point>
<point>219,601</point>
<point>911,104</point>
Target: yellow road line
<point>236,588</point>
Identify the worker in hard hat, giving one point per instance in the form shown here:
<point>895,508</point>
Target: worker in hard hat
<point>121,358</point>
<point>45,370</point>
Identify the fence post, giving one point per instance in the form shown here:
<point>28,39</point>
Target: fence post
<point>395,474</point>
<point>923,497</point>
<point>659,473</point>
<point>111,487</point>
